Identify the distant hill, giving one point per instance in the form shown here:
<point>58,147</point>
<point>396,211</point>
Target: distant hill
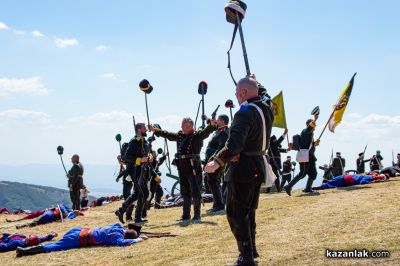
<point>31,197</point>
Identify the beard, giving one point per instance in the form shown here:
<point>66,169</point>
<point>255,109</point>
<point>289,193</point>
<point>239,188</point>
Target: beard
<point>144,134</point>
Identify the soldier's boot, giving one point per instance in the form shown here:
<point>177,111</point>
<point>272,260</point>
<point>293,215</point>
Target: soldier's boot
<point>157,204</point>
<point>309,186</point>
<point>30,250</point>
<point>129,212</point>
<point>278,184</point>
<point>145,208</point>
<point>186,209</point>
<point>246,254</point>
<point>197,209</point>
<point>253,243</point>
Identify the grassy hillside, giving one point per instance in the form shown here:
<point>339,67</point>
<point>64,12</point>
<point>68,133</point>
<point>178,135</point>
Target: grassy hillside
<point>291,231</point>
<point>31,197</point>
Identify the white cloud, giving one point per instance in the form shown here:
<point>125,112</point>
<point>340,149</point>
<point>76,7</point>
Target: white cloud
<point>3,26</point>
<point>102,48</point>
<point>19,32</point>
<point>25,116</point>
<point>29,86</point>
<point>115,119</point>
<point>63,43</point>
<point>372,126</point>
<point>112,76</point>
<point>37,33</point>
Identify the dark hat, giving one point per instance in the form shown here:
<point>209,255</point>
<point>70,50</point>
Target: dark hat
<point>202,90</point>
<point>315,111</point>
<point>60,150</point>
<point>289,157</point>
<point>361,154</point>
<point>232,7</point>
<point>135,227</point>
<point>145,86</point>
<point>229,104</point>
<point>338,153</point>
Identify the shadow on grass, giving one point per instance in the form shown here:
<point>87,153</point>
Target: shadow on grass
<point>353,188</point>
<point>183,224</point>
<point>313,194</point>
<point>211,214</point>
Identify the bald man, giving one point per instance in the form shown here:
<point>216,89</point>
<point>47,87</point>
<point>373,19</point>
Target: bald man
<point>75,182</point>
<point>245,156</point>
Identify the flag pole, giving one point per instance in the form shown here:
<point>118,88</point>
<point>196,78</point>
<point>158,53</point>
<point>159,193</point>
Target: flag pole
<point>326,125</point>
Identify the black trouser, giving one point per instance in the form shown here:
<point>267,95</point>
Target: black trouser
<point>309,169</point>
<point>286,178</point>
<point>241,205</point>
<point>75,195</point>
<point>140,195</point>
<point>189,182</point>
<point>126,189</point>
<point>84,202</point>
<point>214,183</point>
<point>157,192</point>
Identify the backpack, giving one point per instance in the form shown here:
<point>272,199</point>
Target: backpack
<point>124,148</point>
<point>296,142</point>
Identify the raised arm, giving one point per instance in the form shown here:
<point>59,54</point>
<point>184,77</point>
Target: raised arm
<point>205,133</point>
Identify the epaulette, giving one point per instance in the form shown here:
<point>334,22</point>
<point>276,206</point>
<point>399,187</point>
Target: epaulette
<point>244,107</point>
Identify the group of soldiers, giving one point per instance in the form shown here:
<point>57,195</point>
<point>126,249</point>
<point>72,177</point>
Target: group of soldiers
<point>338,165</point>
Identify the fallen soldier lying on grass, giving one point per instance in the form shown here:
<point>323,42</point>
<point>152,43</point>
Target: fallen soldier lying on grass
<point>53,215</point>
<point>77,237</point>
<point>10,242</point>
<point>30,216</point>
<point>351,180</point>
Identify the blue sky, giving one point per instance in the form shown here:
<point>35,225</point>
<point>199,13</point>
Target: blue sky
<point>69,70</point>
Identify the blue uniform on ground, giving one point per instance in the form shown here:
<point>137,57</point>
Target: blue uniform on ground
<point>347,180</point>
<point>112,235</point>
<point>11,242</point>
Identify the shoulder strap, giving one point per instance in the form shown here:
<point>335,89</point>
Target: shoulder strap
<point>264,143</point>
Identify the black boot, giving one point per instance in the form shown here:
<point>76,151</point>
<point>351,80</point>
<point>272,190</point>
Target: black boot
<point>186,209</point>
<point>253,243</point>
<point>120,214</point>
<point>30,250</point>
<point>129,212</point>
<point>309,186</point>
<point>288,190</point>
<point>246,254</point>
<point>197,210</point>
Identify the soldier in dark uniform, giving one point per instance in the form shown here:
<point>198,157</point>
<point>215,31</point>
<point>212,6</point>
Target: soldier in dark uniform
<point>245,155</point>
<point>189,144</point>
<point>214,146</point>
<point>287,171</point>
<point>136,157</point>
<point>338,165</point>
<point>274,154</point>
<point>309,168</point>
<point>327,173</point>
<point>127,183</point>
<point>361,163</point>
<point>376,162</point>
<point>75,182</point>
<point>398,161</point>
<point>155,182</point>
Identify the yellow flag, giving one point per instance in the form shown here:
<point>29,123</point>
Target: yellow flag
<point>341,105</point>
<point>279,111</point>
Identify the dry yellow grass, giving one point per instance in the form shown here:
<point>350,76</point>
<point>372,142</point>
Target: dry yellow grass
<point>291,231</point>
